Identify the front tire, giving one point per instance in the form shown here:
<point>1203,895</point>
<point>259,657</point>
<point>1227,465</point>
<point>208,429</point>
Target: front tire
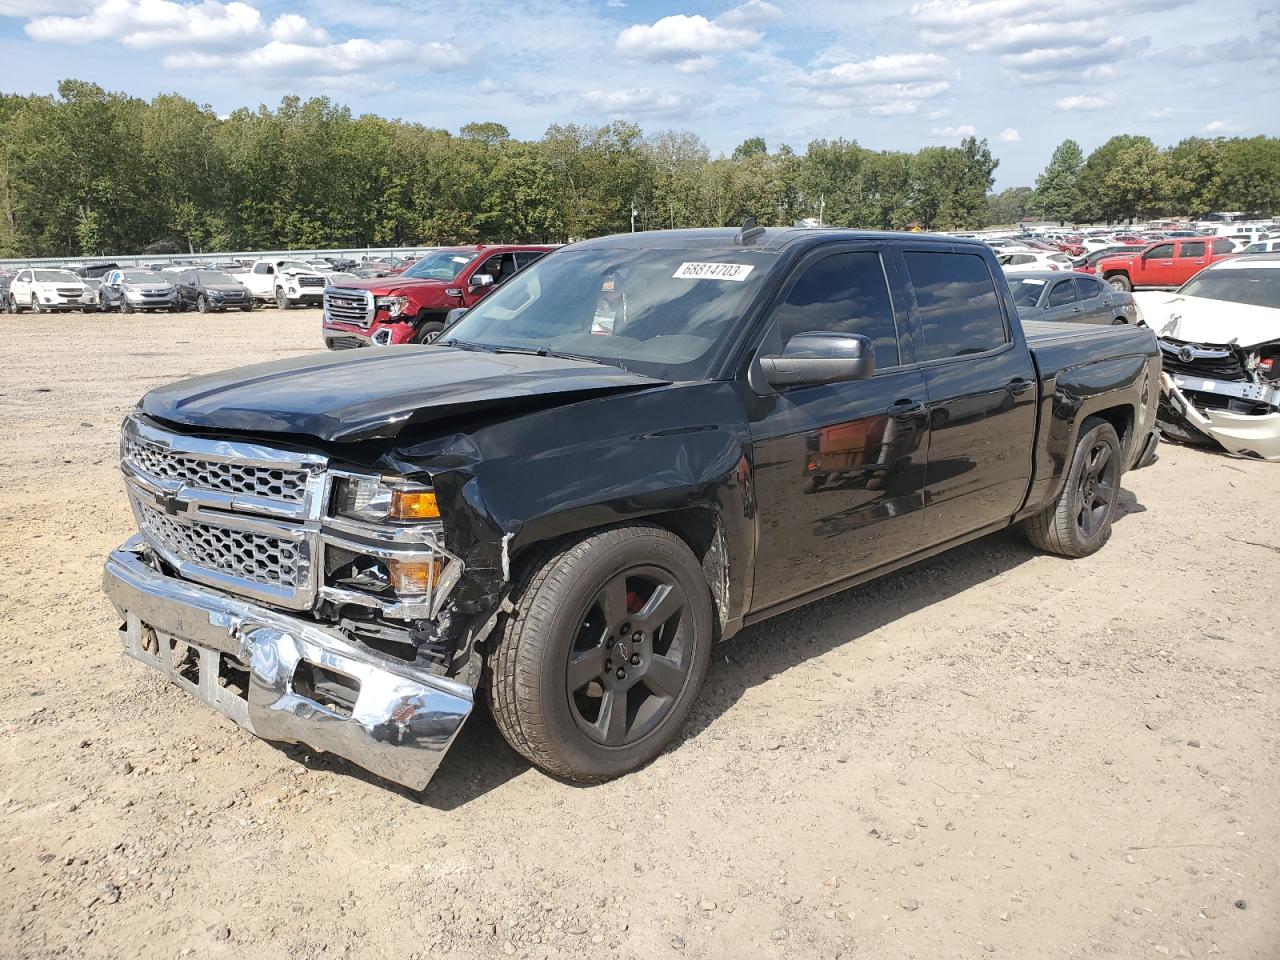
<point>282,302</point>
<point>35,304</point>
<point>600,664</point>
<point>1078,523</point>
<point>1118,281</point>
<point>202,305</point>
<point>428,332</point>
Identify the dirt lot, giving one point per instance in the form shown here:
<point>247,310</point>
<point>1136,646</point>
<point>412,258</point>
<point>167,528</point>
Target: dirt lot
<point>996,753</point>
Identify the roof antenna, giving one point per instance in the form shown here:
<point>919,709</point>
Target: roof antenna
<point>749,233</point>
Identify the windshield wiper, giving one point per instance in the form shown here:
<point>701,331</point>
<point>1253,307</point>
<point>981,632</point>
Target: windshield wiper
<point>546,351</point>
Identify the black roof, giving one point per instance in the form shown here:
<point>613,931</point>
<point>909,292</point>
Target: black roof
<point>771,240</point>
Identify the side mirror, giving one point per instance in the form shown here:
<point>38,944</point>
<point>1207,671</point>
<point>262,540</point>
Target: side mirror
<point>453,316</point>
<point>810,359</point>
<point>481,280</point>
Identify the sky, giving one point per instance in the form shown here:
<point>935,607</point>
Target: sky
<point>895,74</point>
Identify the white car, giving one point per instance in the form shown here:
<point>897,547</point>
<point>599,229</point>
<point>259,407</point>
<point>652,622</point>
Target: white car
<point>1023,260</point>
<point>49,291</point>
<point>1263,246</point>
<point>1220,340</point>
<point>287,283</point>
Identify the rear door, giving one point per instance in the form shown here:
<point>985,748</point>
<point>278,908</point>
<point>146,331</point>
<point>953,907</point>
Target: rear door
<point>1193,256</point>
<point>1060,302</point>
<point>982,391</point>
<point>838,468</point>
<point>1094,300</point>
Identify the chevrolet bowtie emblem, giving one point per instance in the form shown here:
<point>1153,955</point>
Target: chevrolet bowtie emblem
<point>171,504</point>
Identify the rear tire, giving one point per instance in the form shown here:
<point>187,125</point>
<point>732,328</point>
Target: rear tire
<point>1078,522</point>
<point>600,664</point>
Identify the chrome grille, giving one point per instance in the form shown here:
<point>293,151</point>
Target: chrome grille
<point>258,557</point>
<point>228,513</point>
<point>348,306</point>
<point>311,281</point>
<point>70,293</point>
<point>231,478</point>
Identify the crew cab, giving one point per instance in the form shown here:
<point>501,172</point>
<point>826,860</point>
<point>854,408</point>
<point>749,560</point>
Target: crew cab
<point>1165,263</point>
<point>49,291</point>
<point>286,283</point>
<point>626,453</point>
<point>412,307</point>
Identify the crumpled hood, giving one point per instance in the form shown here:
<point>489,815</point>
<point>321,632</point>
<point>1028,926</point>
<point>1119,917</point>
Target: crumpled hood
<point>377,392</point>
<point>1201,320</point>
<point>387,286</point>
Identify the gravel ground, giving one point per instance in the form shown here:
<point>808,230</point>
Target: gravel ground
<point>995,753</point>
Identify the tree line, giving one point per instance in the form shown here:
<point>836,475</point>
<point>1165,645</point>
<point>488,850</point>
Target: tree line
<point>1130,178</point>
<point>90,172</point>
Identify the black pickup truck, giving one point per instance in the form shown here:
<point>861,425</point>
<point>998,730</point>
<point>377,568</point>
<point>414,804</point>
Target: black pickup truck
<point>627,453</point>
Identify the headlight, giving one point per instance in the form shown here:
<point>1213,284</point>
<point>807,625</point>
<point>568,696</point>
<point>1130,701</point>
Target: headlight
<point>377,501</point>
<point>393,305</point>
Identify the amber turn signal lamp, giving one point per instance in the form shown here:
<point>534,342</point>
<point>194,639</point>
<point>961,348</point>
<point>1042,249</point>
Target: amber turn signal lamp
<point>414,505</point>
<point>414,577</point>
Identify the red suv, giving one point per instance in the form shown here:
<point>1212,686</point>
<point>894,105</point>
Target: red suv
<point>412,306</point>
<point>1165,263</point>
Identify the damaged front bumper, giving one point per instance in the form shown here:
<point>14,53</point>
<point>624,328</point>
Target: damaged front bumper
<point>302,683</point>
<point>1244,434</point>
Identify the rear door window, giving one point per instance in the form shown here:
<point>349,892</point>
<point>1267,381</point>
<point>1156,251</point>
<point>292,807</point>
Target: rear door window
<point>957,304</point>
<point>1088,288</point>
<point>526,258</point>
<point>843,293</point>
<point>1192,248</point>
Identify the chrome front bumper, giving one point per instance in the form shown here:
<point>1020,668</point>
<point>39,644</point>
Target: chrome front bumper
<point>403,720</point>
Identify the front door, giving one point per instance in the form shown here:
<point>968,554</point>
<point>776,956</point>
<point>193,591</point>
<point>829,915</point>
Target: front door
<point>982,393</point>
<point>1157,269</point>
<point>838,468</point>
<point>1060,303</point>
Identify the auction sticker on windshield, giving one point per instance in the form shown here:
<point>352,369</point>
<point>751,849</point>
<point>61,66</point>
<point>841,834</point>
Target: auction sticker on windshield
<point>713,271</point>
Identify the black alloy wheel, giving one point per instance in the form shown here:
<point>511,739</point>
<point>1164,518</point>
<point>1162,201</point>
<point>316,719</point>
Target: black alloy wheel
<point>630,661</point>
<point>1096,491</point>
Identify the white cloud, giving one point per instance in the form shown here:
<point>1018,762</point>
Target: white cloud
<point>893,108</point>
<point>939,114</point>
<point>753,13</point>
<point>696,65</point>
<point>1221,126</point>
<point>42,8</point>
<point>351,57</point>
<point>1164,113</point>
<point>1082,101</point>
<point>632,101</point>
<point>1008,135</point>
<point>887,68</point>
<point>155,23</point>
<point>681,38</point>
<point>953,133</point>
<point>292,28</point>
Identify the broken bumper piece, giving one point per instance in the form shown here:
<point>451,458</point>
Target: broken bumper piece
<point>283,678</point>
<point>1246,435</point>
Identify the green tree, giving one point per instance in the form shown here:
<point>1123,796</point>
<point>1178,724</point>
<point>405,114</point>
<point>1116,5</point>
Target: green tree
<point>1009,206</point>
<point>1250,175</point>
<point>1057,188</point>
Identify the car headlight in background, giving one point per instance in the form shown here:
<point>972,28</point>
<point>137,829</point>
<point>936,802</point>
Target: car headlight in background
<point>377,501</point>
<point>393,305</point>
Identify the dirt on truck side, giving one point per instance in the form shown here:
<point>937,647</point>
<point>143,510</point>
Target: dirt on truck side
<point>994,753</point>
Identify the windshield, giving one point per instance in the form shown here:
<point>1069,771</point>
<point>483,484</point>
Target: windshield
<point>56,276</point>
<point>295,265</point>
<point>143,276</point>
<point>1026,290</point>
<point>1258,286</point>
<point>657,311</point>
<point>441,265</point>
<point>213,276</point>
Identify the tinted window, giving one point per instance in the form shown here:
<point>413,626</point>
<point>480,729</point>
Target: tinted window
<point>1161,251</point>
<point>1088,288</point>
<point>1063,292</point>
<point>843,293</point>
<point>1192,249</point>
<point>1223,246</point>
<point>958,307</point>
<point>526,257</point>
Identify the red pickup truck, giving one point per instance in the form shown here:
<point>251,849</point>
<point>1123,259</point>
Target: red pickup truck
<point>412,306</point>
<point>1165,263</point>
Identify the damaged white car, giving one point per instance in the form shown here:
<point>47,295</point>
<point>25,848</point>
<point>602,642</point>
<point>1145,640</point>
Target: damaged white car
<point>1220,341</point>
